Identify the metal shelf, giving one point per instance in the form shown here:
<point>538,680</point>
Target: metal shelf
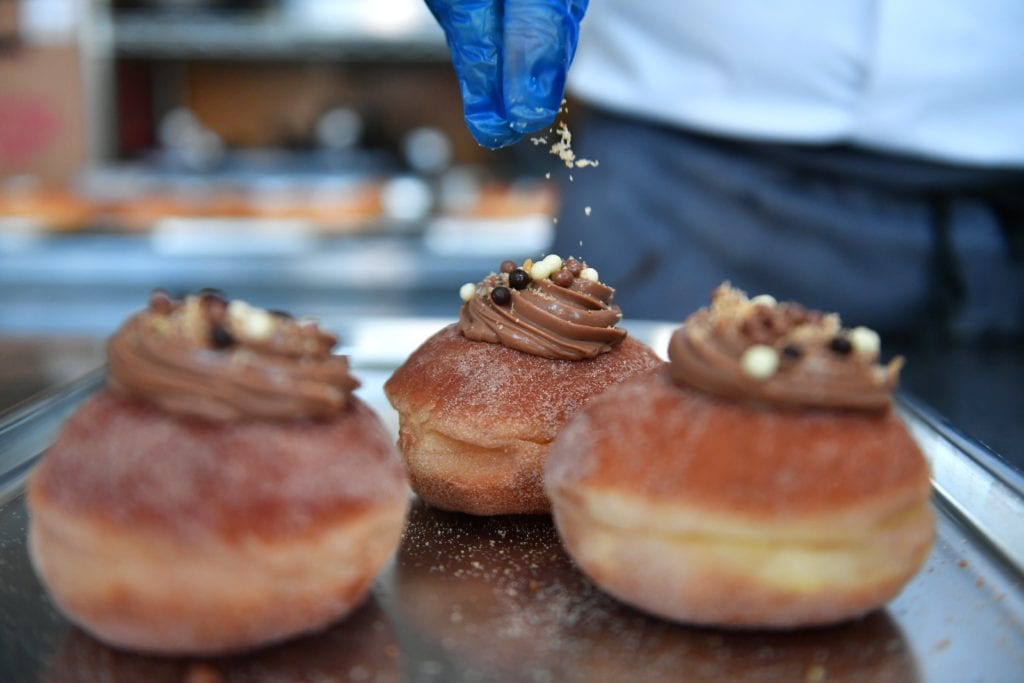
<point>277,35</point>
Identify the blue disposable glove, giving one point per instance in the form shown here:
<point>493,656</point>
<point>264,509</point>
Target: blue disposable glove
<point>510,57</point>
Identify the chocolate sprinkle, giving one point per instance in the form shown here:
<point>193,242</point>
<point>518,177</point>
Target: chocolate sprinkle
<point>840,345</point>
<point>792,351</point>
<point>563,278</point>
<point>220,337</point>
<point>574,265</point>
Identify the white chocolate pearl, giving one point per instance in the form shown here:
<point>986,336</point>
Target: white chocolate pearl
<point>589,274</point>
<point>865,341</point>
<point>553,262</point>
<point>257,324</point>
<point>238,309</point>
<point>540,270</point>
<point>467,291</point>
<point>766,299</point>
<point>759,362</point>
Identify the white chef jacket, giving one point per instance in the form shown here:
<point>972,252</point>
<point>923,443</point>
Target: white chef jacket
<point>940,79</point>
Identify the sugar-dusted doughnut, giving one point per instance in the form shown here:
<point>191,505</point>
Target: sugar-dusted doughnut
<point>480,402</point>
<point>223,491</point>
<point>761,480</point>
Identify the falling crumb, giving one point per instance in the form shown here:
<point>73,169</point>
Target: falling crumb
<point>962,564</point>
<point>586,210</point>
<point>555,220</point>
<point>563,148</point>
<point>548,175</point>
<point>942,645</point>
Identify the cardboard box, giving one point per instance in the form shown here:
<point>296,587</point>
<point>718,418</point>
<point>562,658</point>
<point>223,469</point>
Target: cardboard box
<point>42,129</point>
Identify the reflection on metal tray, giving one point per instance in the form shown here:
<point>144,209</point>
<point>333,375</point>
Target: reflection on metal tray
<point>484,599</point>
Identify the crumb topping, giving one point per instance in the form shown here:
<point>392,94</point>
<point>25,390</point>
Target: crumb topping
<point>762,350</point>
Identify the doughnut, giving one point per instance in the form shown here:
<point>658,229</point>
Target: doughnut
<point>773,488</point>
<point>224,490</point>
<point>364,647</point>
<point>476,419</point>
<point>480,402</point>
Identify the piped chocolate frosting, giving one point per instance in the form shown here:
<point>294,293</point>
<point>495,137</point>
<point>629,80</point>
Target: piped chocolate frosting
<point>763,351</point>
<point>551,308</point>
<point>219,360</point>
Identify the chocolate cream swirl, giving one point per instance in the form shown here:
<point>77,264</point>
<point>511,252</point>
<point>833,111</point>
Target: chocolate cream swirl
<point>561,312</point>
<point>207,358</point>
<point>782,354</point>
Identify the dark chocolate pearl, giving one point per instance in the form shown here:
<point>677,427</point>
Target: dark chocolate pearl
<point>518,279</point>
<point>501,296</point>
<point>215,306</point>
<point>574,266</point>
<point>792,351</point>
<point>840,345</point>
<point>508,265</point>
<point>220,338</point>
<point>563,278</point>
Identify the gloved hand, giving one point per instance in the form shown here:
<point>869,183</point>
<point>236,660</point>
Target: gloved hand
<point>510,57</point>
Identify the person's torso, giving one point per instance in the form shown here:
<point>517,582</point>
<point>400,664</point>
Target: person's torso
<point>942,80</point>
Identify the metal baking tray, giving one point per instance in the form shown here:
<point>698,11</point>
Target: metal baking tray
<point>497,599</point>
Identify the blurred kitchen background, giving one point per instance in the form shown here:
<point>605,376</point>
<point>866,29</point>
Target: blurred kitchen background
<point>302,154</point>
<point>305,155</point>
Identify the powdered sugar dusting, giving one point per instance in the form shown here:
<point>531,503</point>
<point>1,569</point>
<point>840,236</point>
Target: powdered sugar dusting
<point>696,447</point>
<point>133,463</point>
<point>497,393</point>
<point>498,592</point>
